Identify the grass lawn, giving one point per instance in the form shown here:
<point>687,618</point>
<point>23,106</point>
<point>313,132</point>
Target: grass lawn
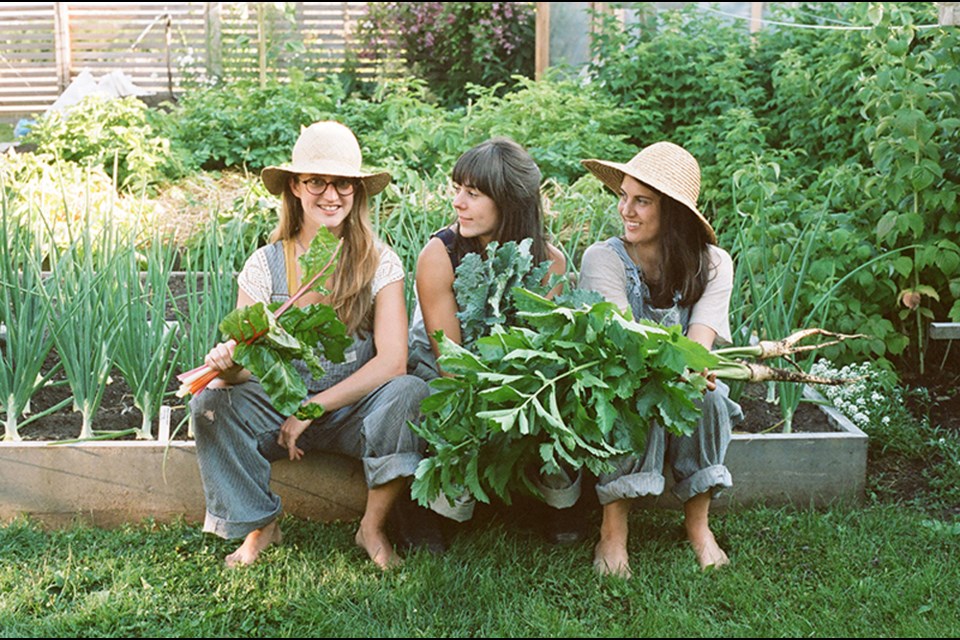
<point>882,570</point>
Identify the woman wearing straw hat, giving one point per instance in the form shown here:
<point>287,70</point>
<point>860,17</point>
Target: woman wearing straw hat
<point>367,400</point>
<point>496,199</point>
<point>667,268</point>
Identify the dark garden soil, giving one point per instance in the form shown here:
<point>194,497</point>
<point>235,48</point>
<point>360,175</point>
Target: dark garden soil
<point>761,416</point>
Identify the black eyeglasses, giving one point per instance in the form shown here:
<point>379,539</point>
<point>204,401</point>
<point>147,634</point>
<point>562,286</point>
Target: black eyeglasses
<point>318,186</point>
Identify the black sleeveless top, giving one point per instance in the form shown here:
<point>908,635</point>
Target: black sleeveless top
<point>448,237</point>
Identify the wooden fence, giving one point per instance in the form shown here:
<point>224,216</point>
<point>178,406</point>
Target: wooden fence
<point>162,46</point>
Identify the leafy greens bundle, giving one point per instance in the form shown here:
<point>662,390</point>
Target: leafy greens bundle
<point>270,337</point>
<point>577,383</point>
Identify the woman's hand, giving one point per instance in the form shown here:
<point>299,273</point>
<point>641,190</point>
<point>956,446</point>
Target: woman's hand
<point>220,357</point>
<point>711,379</point>
<point>290,430</point>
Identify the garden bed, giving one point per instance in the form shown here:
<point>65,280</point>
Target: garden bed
<point>109,483</point>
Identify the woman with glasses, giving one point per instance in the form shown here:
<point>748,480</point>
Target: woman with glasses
<point>367,400</point>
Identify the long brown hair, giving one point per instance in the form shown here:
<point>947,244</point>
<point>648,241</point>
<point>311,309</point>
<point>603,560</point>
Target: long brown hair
<point>684,255</point>
<point>504,171</point>
<point>350,285</point>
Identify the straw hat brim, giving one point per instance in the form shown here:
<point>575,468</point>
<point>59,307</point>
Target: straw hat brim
<point>611,174</point>
<point>275,178</point>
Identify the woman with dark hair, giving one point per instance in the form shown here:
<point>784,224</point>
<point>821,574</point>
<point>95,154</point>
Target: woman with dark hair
<point>667,268</point>
<point>367,400</point>
<point>496,196</point>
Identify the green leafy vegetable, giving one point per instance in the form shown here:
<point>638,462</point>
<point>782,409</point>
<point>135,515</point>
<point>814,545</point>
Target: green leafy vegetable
<point>574,382</point>
<point>270,338</point>
<point>484,287</point>
<point>553,391</point>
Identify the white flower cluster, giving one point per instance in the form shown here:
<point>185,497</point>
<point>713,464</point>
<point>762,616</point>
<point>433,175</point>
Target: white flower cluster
<point>867,401</point>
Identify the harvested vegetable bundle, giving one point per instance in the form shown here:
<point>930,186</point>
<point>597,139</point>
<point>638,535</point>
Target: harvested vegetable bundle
<point>270,337</point>
<point>573,381</point>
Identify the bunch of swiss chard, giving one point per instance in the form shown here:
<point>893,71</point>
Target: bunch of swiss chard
<point>270,337</point>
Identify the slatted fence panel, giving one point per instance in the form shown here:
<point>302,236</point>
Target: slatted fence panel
<point>161,46</point>
<point>133,37</point>
<point>28,69</point>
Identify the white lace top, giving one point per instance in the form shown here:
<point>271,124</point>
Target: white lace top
<point>255,278</point>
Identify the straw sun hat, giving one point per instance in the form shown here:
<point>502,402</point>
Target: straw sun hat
<point>667,167</point>
<point>328,149</point>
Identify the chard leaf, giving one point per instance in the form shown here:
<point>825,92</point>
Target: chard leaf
<point>320,252</point>
<point>277,376</point>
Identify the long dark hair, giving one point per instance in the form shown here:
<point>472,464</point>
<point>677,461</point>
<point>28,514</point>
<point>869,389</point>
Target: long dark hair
<point>504,171</point>
<point>685,260</point>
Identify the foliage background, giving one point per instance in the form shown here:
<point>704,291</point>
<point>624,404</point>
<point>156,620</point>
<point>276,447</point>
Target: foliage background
<point>846,138</point>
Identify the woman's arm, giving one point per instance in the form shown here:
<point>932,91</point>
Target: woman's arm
<point>558,266</point>
<point>438,304</point>
<point>703,334</point>
<point>389,315</point>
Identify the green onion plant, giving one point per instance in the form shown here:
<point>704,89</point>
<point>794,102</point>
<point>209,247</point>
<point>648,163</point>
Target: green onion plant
<point>145,348</point>
<point>27,339</point>
<point>78,301</point>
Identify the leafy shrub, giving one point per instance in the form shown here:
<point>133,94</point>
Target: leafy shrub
<point>114,134</point>
<point>451,44</point>
<point>243,124</point>
<point>57,200</point>
<point>673,70</point>
<point>558,121</point>
<point>400,130</point>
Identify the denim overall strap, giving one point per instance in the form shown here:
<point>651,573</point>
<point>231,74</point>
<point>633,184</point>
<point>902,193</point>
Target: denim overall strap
<point>638,293</point>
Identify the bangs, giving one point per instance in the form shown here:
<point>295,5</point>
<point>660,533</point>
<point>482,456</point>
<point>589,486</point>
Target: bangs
<point>478,168</point>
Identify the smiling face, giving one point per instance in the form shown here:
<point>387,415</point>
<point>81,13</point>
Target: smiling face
<point>328,209</point>
<point>477,213</point>
<point>639,207</point>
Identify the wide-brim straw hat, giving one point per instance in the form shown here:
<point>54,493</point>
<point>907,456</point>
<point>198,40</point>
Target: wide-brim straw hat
<point>329,149</point>
<point>665,166</point>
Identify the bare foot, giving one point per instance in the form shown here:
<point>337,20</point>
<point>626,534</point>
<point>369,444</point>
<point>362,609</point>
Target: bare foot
<point>709,553</point>
<point>255,542</point>
<point>611,559</point>
<point>378,547</point>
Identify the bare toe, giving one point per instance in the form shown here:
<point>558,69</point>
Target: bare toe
<point>255,542</point>
<point>709,554</point>
<point>378,547</point>
<point>611,560</point>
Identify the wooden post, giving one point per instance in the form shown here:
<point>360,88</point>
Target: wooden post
<point>542,43</point>
<point>262,42</point>
<point>756,16</point>
<point>211,14</point>
<point>62,48</point>
<point>167,38</point>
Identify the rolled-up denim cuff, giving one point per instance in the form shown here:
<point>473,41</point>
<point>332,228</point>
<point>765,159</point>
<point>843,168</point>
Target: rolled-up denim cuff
<point>713,479</point>
<point>633,485</point>
<point>558,490</point>
<point>233,530</point>
<point>380,471</point>
<point>459,509</point>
